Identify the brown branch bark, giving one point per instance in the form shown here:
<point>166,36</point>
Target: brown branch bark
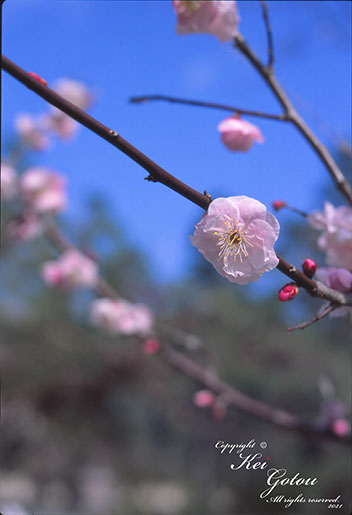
<point>269,35</point>
<point>156,172</point>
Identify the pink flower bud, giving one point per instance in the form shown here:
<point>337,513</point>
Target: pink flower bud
<point>341,427</point>
<point>216,17</point>
<point>237,134</point>
<point>278,204</point>
<point>309,267</point>
<point>151,346</point>
<point>71,270</point>
<point>203,399</point>
<point>35,76</point>
<point>288,292</point>
<point>43,190</point>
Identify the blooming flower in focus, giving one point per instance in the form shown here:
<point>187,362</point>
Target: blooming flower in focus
<point>336,237</point>
<point>121,317</point>
<point>216,17</point>
<point>8,181</point>
<point>203,398</point>
<point>72,269</point>
<point>43,190</point>
<point>32,132</point>
<point>237,134</point>
<point>236,235</point>
<point>24,227</point>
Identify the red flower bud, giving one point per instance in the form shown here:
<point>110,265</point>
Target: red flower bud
<point>35,76</point>
<point>288,292</point>
<point>151,346</point>
<point>278,204</point>
<point>309,267</point>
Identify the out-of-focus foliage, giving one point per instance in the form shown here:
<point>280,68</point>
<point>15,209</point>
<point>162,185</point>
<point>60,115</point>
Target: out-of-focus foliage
<point>91,424</point>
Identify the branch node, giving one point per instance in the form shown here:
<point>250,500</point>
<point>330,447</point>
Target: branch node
<point>293,269</point>
<point>114,134</point>
<point>150,178</point>
<point>207,195</point>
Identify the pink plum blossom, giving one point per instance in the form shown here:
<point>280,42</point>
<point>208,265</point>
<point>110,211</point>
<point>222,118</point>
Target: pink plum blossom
<point>121,317</point>
<point>71,270</point>
<point>43,190</point>
<point>203,399</point>
<point>336,236</point>
<point>341,427</point>
<point>61,124</point>
<point>216,17</point>
<point>238,134</point>
<point>24,227</point>
<point>32,132</point>
<point>336,278</point>
<point>9,181</point>
<point>75,92</point>
<point>236,235</point>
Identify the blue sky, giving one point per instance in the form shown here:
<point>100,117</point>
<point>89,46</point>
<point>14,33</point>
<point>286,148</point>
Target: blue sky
<point>126,48</point>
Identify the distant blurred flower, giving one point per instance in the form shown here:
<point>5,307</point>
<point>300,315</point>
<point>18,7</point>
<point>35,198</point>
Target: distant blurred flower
<point>336,237</point>
<point>309,267</point>
<point>61,124</point>
<point>203,399</point>
<point>288,292</point>
<point>278,204</point>
<point>151,346</point>
<point>43,190</point>
<point>238,134</point>
<point>25,226</point>
<point>216,17</point>
<point>9,181</point>
<point>236,235</point>
<point>71,270</point>
<point>341,427</point>
<point>336,278</point>
<point>31,132</point>
<point>121,317</point>
<point>75,92</point>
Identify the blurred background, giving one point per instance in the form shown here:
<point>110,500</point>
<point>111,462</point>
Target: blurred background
<point>90,424</point>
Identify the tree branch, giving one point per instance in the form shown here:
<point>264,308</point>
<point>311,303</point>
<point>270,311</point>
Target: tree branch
<point>159,174</point>
<point>319,316</point>
<point>212,105</point>
<point>269,36</point>
<point>293,116</point>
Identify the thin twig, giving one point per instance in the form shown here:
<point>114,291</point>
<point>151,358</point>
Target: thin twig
<point>158,173</point>
<point>269,36</point>
<point>319,316</point>
<point>293,116</point>
<point>212,105</point>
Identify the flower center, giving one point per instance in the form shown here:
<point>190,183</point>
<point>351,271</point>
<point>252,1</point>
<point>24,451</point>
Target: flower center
<point>233,241</point>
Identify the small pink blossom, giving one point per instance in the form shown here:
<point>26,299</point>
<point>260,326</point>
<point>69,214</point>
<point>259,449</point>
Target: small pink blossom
<point>336,236</point>
<point>341,427</point>
<point>121,317</point>
<point>75,92</point>
<point>203,399</point>
<point>237,235</point>
<point>71,270</point>
<point>288,292</point>
<point>238,134</point>
<point>9,181</point>
<point>151,346</point>
<point>24,227</point>
<point>43,190</point>
<point>336,278</point>
<point>216,17</point>
<point>32,132</point>
<point>309,267</point>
